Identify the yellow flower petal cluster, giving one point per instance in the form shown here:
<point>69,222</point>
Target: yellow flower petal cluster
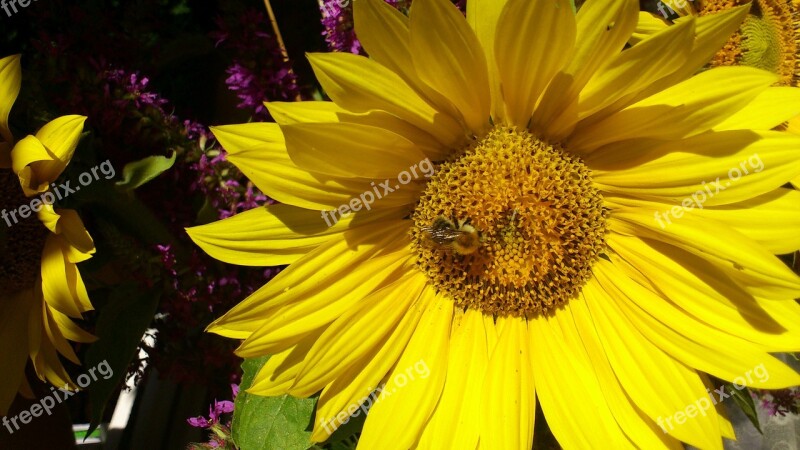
<point>767,39</point>
<point>627,209</point>
<point>42,289</point>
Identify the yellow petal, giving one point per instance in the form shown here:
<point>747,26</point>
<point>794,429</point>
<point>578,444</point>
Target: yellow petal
<point>357,332</point>
<point>68,229</point>
<point>659,385</point>
<point>457,419</point>
<point>508,391</point>
<point>421,139</point>
<point>385,34</point>
<point>277,374</point>
<point>482,16</point>
<point>49,218</point>
<point>71,228</point>
<point>48,367</point>
<point>526,62</point>
<point>293,322</point>
<point>355,386</point>
<point>778,234</point>
<point>648,25</point>
<point>712,32</point>
<point>290,113</point>
<point>603,30</point>
<point>448,57</point>
<point>326,264</point>
<point>360,85</point>
<point>725,426</point>
<point>25,154</point>
<point>692,285</point>
<point>69,329</point>
<point>55,337</point>
<point>414,385</point>
<point>769,109</point>
<point>637,426</point>
<point>687,340</point>
<point>686,109</point>
<point>681,7</point>
<point>568,389</point>
<point>350,150</point>
<point>637,68</point>
<point>287,113</point>
<point>60,136</point>
<point>759,273</point>
<point>711,169</point>
<point>62,286</point>
<point>274,235</point>
<point>259,151</point>
<point>42,158</point>
<point>10,83</point>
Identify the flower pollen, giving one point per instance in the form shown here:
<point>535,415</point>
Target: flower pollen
<point>538,220</point>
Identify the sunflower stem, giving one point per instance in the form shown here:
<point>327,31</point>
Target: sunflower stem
<point>279,38</point>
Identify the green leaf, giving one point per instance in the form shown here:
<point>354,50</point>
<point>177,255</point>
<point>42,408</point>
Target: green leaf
<point>745,401</point>
<point>137,173</point>
<point>270,422</point>
<point>120,327</point>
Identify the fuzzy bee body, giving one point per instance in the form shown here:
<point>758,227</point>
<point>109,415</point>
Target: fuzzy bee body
<point>463,239</point>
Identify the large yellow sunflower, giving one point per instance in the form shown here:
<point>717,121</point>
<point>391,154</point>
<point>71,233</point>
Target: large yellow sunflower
<point>598,235</point>
<point>39,248</point>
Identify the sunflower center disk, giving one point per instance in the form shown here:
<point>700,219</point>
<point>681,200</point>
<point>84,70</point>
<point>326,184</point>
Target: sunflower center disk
<point>21,244</point>
<point>509,226</point>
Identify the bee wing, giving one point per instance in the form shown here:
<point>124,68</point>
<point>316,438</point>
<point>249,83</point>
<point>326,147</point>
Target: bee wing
<point>443,235</point>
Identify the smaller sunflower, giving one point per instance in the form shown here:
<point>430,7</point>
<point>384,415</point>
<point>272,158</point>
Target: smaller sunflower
<point>768,39</point>
<point>39,250</point>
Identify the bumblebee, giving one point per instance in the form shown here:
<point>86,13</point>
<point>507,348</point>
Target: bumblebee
<point>463,239</point>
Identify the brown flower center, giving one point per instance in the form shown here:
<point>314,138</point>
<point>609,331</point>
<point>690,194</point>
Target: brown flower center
<point>21,240</point>
<point>510,226</point>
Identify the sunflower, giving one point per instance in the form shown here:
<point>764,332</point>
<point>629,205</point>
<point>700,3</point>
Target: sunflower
<point>587,243</point>
<point>767,38</point>
<point>39,248</point>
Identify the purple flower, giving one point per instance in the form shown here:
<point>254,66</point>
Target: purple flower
<point>137,88</point>
<point>259,71</point>
<point>198,422</point>
<point>219,409</point>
